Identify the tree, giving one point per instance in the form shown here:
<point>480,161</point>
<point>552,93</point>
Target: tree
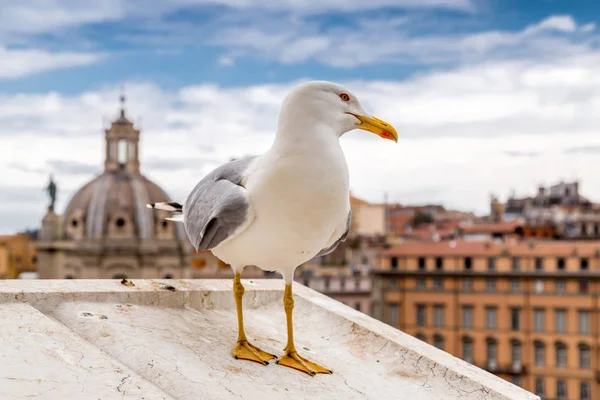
<point>421,218</point>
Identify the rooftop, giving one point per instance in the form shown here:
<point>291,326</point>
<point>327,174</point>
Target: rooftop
<point>171,339</point>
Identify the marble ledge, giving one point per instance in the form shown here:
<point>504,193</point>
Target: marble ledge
<point>171,339</point>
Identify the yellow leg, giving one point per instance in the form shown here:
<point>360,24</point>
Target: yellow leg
<point>243,349</point>
<point>291,358</point>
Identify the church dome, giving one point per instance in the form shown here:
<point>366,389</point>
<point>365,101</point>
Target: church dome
<point>113,205</point>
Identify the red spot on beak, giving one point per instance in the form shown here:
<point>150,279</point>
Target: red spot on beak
<point>385,134</point>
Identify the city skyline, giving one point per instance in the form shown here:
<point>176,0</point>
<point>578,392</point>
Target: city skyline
<point>487,98</point>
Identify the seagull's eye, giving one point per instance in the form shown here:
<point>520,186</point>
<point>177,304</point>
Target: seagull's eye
<point>344,97</point>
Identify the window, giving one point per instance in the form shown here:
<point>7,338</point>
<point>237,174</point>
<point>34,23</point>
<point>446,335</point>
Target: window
<point>560,263</point>
<point>560,316</point>
<point>516,264</point>
<point>421,263</point>
<point>515,319</point>
<point>467,317</point>
<point>438,284</point>
<point>560,286</point>
<point>393,283</point>
<point>584,356</point>
<point>539,354</point>
<point>490,285</point>
<point>539,263</point>
<point>393,314</point>
<point>467,284</point>
<point>468,263</point>
<point>467,349</point>
<point>492,353</point>
<point>357,306</point>
<point>561,355</point>
<point>420,284</point>
<point>120,222</point>
<point>584,391</point>
<point>517,380</point>
<point>515,351</point>
<point>539,320</point>
<point>515,286</point>
<point>438,315</point>
<point>421,315</point>
<point>539,387</point>
<point>438,341</point>
<point>584,286</point>
<point>491,264</point>
<point>490,317</point>
<point>584,264</point>
<point>439,263</point>
<point>421,337</point>
<point>168,276</point>
<point>122,154</point>
<point>561,390</point>
<point>394,262</point>
<point>538,286</point>
<point>584,321</point>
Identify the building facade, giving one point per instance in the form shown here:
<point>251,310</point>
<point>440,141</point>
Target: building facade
<point>18,255</point>
<point>527,311</point>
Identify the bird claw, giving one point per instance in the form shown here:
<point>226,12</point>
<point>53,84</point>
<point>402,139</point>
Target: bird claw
<point>246,351</point>
<point>293,360</point>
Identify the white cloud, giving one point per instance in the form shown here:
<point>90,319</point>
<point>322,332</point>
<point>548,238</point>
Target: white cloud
<point>561,23</point>
<point>19,63</point>
<point>226,61</point>
<point>464,134</point>
<point>361,44</point>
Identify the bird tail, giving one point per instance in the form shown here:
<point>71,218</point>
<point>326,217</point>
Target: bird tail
<point>169,206</point>
<point>176,218</point>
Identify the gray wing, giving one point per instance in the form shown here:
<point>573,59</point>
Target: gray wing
<point>217,206</point>
<point>342,238</point>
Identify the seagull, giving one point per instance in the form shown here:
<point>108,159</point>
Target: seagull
<point>284,207</point>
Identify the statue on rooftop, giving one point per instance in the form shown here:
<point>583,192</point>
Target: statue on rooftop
<point>51,190</point>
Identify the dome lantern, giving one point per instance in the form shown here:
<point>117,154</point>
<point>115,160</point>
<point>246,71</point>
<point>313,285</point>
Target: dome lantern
<point>122,144</point>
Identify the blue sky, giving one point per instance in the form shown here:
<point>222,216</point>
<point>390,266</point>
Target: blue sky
<point>190,42</point>
<point>499,95</point>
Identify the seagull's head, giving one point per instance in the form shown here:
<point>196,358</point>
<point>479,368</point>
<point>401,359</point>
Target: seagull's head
<point>332,105</point>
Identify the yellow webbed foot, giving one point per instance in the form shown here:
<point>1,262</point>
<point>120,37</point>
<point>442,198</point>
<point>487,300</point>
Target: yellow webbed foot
<point>293,360</point>
<point>246,351</point>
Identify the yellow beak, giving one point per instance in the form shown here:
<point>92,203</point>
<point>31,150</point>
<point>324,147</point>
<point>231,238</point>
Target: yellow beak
<point>377,126</point>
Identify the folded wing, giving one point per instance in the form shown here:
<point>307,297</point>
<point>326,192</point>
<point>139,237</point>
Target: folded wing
<point>218,207</point>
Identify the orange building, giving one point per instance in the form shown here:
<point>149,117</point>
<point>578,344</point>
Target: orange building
<point>526,311</point>
<point>17,255</point>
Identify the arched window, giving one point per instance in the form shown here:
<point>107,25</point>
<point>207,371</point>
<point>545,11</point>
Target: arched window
<point>438,341</point>
<point>539,355</point>
<point>69,277</point>
<point>584,356</point>
<point>515,351</point>
<point>122,152</point>
<point>421,337</point>
<point>467,349</point>
<point>119,276</point>
<point>561,354</point>
<point>168,276</point>
<point>492,353</point>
